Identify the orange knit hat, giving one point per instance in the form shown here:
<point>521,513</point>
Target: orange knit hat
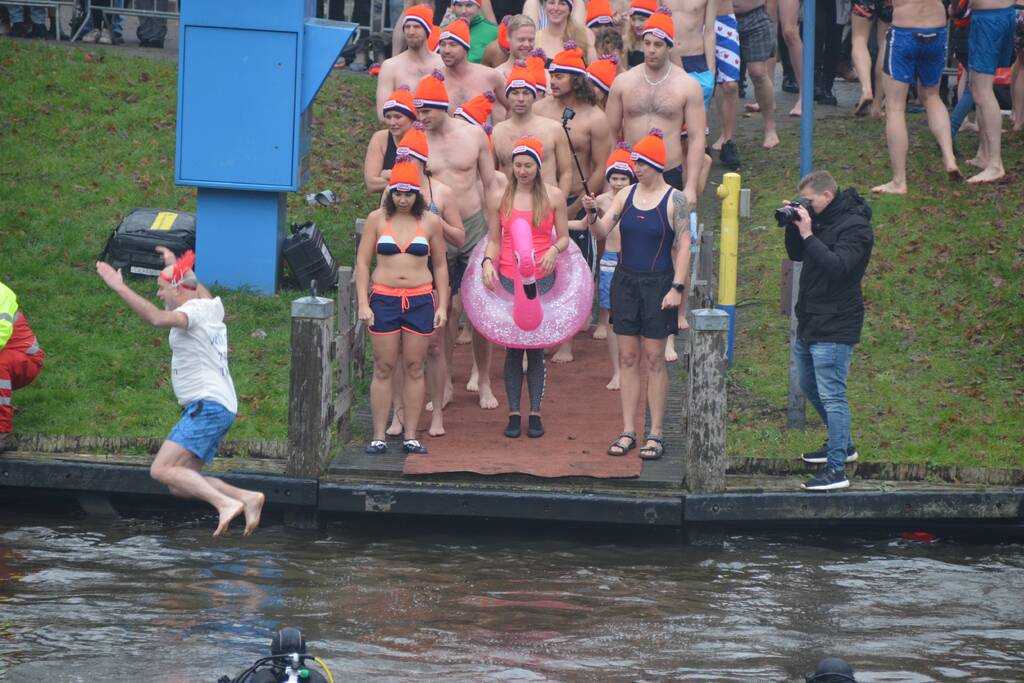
<point>531,147</point>
<point>599,13</point>
<point>603,72</point>
<point>619,161</point>
<point>431,93</point>
<point>503,33</point>
<point>414,143</point>
<point>520,77</point>
<point>434,38</point>
<point>660,26</point>
<point>421,15</point>
<point>401,101</point>
<point>405,176</point>
<point>477,109</point>
<point>458,31</point>
<point>651,150</point>
<point>569,61</point>
<point>537,64</point>
<point>645,7</point>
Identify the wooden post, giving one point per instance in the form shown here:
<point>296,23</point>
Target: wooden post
<point>344,352</point>
<point>796,416</point>
<point>309,392</point>
<point>705,436</point>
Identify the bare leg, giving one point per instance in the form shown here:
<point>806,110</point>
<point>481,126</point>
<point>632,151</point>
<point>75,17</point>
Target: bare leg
<point>564,353</point>
<point>437,377</point>
<point>252,500</point>
<point>601,330</point>
<point>788,16</point>
<point>175,467</point>
<point>896,136</point>
<point>727,97</point>
<point>613,352</point>
<point>763,91</point>
<point>629,372</point>
<point>1017,91</point>
<point>657,383</point>
<point>397,414</point>
<point>414,351</point>
<point>385,358</point>
<point>482,356</point>
<point>990,123</point>
<point>938,122</point>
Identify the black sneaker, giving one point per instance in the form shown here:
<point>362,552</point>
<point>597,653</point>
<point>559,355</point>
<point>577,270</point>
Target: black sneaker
<point>535,429</point>
<point>22,29</point>
<point>790,85</point>
<point>116,39</point>
<point>820,456</point>
<point>413,447</point>
<point>828,478</point>
<point>728,155</point>
<point>515,426</point>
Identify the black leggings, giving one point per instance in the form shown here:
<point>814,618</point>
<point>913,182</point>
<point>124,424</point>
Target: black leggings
<point>535,377</point>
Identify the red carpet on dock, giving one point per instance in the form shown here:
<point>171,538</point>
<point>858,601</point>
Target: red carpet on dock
<point>581,418</point>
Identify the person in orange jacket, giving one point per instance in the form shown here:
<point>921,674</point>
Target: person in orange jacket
<point>21,358</point>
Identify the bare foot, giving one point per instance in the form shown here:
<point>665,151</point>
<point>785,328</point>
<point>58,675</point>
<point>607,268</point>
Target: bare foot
<point>395,428</point>
<point>474,380</point>
<point>891,187</point>
<point>670,349</point>
<point>436,425</point>
<point>969,125</point>
<point>253,510</point>
<point>977,162</point>
<point>796,110</point>
<point>718,143</point>
<point>752,107</point>
<point>487,398</point>
<point>771,140</point>
<point>449,392</point>
<point>600,332</point>
<point>614,384</point>
<point>465,336</point>
<point>564,355</point>
<point>228,513</point>
<point>989,175</point>
<point>864,106</point>
<point>876,112</point>
<point>954,175</point>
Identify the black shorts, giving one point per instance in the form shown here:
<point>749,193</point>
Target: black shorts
<point>636,304</point>
<point>583,239</point>
<point>674,177</point>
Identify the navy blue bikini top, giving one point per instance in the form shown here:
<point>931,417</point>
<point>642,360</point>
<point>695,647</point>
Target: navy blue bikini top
<point>387,245</point>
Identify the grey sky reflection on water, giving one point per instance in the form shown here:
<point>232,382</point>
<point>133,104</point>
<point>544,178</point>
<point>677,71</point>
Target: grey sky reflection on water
<point>86,600</point>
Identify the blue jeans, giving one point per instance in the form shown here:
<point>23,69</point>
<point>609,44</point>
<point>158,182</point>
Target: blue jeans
<point>17,13</point>
<point>822,367</point>
<point>964,106</point>
<point>116,20</point>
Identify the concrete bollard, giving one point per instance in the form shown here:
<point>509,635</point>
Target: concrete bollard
<point>310,409</point>
<point>706,409</point>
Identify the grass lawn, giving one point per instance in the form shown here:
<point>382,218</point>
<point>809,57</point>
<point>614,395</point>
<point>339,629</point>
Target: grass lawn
<point>90,135</point>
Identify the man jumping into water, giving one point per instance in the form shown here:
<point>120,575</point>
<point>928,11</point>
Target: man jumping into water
<point>202,384</point>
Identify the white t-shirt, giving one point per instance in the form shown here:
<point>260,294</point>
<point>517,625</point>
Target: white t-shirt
<point>199,355</point>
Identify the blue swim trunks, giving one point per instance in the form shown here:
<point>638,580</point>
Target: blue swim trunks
<point>990,41</point>
<point>696,66</point>
<point>397,309</point>
<point>202,427</point>
<point>609,260</point>
<point>913,54</point>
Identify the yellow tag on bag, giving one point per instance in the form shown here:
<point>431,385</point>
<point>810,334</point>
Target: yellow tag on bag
<point>164,220</point>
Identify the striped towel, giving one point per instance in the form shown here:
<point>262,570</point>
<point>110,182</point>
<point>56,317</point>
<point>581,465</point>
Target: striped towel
<point>727,48</point>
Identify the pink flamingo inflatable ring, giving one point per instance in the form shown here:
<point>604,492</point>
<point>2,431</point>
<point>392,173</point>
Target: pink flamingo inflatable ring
<point>527,319</point>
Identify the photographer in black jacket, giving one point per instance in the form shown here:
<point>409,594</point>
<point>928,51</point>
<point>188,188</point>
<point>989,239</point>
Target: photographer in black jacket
<point>830,232</point>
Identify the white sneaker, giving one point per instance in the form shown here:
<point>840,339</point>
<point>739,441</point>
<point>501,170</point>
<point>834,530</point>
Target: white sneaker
<point>105,38</point>
<point>91,37</point>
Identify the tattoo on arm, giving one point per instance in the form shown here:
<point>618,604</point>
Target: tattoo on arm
<point>681,212</point>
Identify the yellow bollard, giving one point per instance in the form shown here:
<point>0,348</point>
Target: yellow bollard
<point>729,193</point>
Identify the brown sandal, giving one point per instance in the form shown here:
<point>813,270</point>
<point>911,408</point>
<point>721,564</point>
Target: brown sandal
<point>622,448</point>
<point>652,452</point>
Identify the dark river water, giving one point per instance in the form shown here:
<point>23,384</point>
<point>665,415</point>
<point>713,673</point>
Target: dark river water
<point>159,600</point>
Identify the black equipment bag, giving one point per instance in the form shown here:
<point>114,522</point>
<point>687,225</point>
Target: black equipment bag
<point>309,258</point>
<point>132,247</point>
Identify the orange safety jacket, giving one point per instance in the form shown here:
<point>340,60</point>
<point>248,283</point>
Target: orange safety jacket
<point>15,333</point>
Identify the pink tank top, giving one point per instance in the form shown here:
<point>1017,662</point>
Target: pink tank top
<point>543,238</point>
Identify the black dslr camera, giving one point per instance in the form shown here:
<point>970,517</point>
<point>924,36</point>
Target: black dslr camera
<point>787,215</point>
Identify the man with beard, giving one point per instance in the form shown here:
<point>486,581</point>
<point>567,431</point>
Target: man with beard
<point>408,67</point>
<point>463,79</point>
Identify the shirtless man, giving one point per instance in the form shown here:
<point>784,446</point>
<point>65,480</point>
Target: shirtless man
<point>522,35</point>
<point>463,79</point>
<point>916,53</point>
<point>659,94</point>
<point>407,68</point>
<point>521,92</point>
<point>592,140</point>
<point>757,45</point>
<point>990,47</point>
<point>460,157</point>
<point>694,48</point>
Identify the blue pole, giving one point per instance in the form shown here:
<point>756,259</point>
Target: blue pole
<point>807,92</point>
